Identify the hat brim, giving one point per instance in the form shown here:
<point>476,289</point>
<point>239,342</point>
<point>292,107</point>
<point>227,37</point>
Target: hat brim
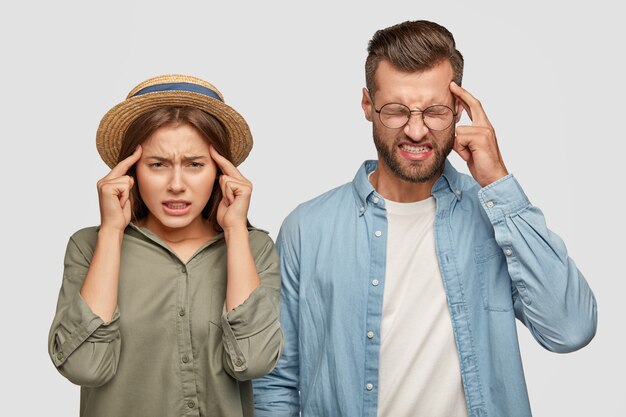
<point>115,122</point>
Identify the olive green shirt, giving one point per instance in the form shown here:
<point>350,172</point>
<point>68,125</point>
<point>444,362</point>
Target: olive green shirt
<point>170,348</point>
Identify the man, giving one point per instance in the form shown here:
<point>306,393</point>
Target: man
<point>400,289</point>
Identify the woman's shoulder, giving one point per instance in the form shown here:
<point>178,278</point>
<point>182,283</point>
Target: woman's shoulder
<point>82,243</point>
<point>259,238</point>
<point>86,235</point>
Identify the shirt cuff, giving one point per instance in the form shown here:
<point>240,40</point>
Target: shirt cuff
<point>254,315</point>
<point>503,198</point>
<point>80,324</point>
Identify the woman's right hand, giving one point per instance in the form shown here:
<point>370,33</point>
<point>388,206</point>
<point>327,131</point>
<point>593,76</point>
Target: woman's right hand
<point>114,194</point>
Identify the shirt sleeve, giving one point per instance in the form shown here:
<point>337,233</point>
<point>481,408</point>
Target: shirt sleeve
<point>277,394</point>
<point>252,336</point>
<point>551,296</point>
<point>83,348</point>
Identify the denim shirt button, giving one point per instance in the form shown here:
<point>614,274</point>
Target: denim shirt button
<point>490,204</point>
<point>370,334</point>
<point>508,252</point>
<point>375,282</point>
<point>375,200</point>
<point>369,387</point>
<point>378,233</point>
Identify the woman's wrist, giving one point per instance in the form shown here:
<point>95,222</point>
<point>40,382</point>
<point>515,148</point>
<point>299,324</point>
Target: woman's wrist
<point>235,232</point>
<point>110,233</point>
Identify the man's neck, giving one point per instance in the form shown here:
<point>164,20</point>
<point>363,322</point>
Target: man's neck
<point>393,188</point>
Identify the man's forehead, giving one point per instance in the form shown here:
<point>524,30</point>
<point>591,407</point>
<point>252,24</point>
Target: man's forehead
<point>428,85</point>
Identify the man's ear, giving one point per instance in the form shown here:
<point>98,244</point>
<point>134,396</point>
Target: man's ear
<point>366,104</point>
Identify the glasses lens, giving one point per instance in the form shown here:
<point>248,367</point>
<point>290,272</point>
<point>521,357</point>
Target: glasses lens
<point>438,117</point>
<point>394,115</point>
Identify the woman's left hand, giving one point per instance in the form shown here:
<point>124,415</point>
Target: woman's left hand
<point>236,191</point>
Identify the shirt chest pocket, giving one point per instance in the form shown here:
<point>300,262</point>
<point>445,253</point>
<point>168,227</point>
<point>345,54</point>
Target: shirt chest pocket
<point>216,306</point>
<point>495,282</point>
<point>207,297</point>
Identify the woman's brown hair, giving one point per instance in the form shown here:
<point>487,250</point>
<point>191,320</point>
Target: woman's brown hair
<point>209,128</point>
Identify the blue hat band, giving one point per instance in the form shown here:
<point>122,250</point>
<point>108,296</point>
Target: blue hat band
<point>192,88</point>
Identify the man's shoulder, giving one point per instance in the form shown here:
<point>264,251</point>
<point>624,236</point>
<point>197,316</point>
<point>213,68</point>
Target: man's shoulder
<point>319,209</point>
<point>325,203</point>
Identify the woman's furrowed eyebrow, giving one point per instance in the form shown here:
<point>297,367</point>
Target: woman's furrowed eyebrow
<point>184,158</point>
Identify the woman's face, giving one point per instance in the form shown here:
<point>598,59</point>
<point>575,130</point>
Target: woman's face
<point>175,176</point>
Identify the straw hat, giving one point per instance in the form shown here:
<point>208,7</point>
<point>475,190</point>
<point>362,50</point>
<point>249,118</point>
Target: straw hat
<point>176,90</point>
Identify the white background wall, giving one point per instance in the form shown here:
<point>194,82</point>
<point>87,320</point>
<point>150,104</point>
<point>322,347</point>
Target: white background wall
<point>550,76</point>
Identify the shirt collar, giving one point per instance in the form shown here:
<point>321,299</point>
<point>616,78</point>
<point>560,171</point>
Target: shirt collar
<point>450,180</point>
<point>362,186</point>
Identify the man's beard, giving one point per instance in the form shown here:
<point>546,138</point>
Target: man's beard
<point>417,171</point>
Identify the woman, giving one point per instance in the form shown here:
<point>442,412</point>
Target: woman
<point>170,306</point>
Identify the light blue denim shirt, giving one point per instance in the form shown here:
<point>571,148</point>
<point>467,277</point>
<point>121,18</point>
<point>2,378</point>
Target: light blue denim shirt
<point>498,261</point>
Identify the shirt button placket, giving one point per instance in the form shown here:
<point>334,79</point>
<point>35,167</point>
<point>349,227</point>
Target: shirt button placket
<point>184,332</point>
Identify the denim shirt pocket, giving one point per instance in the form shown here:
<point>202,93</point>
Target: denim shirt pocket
<point>495,282</point>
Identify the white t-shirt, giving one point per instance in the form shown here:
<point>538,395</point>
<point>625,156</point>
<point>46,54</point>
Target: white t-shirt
<point>419,371</point>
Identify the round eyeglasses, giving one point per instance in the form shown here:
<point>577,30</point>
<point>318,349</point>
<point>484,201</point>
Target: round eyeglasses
<point>396,115</point>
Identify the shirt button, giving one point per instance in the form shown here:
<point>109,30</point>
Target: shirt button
<point>238,362</point>
<point>362,209</point>
<point>191,404</point>
<point>508,252</point>
<point>375,200</point>
<point>183,269</point>
<point>370,334</point>
<point>457,192</point>
<point>490,204</point>
<point>378,233</point>
<point>59,356</point>
<point>181,312</point>
<point>375,282</point>
<point>185,358</point>
<point>369,387</point>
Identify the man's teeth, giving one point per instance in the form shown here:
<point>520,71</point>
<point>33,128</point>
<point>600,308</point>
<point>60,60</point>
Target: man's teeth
<point>176,206</point>
<point>415,149</point>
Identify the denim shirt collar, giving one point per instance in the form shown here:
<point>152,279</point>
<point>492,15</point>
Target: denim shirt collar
<point>449,181</point>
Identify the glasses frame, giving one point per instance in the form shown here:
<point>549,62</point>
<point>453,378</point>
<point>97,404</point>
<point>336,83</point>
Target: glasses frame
<point>421,112</point>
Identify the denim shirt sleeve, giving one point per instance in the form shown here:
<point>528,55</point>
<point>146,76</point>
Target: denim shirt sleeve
<point>83,348</point>
<point>277,394</point>
<point>551,296</point>
<point>252,336</point>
